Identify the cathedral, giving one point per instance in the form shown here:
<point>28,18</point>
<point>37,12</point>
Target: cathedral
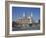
<point>24,21</point>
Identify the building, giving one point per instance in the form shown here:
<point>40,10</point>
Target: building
<point>24,20</point>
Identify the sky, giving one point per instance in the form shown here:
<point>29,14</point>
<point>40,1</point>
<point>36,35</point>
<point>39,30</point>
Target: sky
<point>19,11</point>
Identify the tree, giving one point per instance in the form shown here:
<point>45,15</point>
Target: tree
<point>39,20</point>
<point>13,24</point>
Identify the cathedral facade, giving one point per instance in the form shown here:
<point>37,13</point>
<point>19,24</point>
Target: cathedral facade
<point>25,21</point>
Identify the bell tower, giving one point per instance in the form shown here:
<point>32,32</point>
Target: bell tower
<point>31,17</point>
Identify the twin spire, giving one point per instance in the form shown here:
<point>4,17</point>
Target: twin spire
<point>24,14</point>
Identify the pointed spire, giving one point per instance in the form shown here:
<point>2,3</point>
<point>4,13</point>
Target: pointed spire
<point>31,14</point>
<point>24,14</point>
